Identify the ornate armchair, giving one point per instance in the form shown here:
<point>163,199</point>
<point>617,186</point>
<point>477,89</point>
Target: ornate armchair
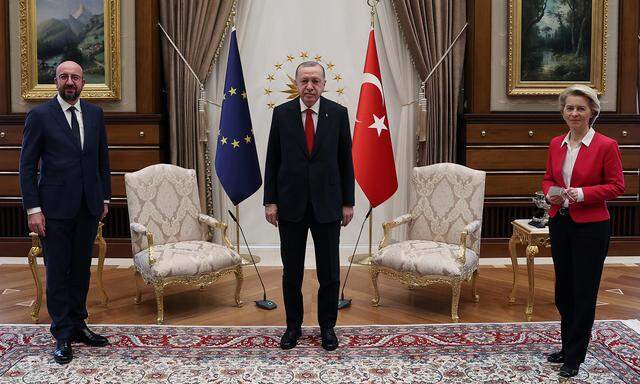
<point>444,227</point>
<point>170,238</point>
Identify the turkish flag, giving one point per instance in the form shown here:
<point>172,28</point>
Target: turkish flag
<point>373,163</point>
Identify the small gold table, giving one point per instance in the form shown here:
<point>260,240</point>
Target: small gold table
<point>36,250</point>
<point>533,238</point>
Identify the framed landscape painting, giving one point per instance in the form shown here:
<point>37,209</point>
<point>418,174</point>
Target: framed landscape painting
<point>85,31</point>
<point>556,43</point>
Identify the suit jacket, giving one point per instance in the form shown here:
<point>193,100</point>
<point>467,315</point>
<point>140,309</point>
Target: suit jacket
<point>598,171</point>
<point>67,171</point>
<point>294,177</point>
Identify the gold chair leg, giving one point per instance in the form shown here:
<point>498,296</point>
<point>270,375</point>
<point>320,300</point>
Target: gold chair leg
<point>474,291</point>
<point>239,280</point>
<point>455,298</point>
<point>33,265</point>
<point>374,272</point>
<point>102,252</point>
<point>137,277</point>
<point>160,302</point>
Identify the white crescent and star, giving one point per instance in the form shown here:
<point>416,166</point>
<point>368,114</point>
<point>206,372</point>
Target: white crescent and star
<point>378,122</point>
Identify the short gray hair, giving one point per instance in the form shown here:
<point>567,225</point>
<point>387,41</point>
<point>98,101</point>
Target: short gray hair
<point>584,91</point>
<point>309,64</point>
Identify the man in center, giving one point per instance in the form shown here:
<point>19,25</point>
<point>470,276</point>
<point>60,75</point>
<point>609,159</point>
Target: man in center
<point>309,184</point>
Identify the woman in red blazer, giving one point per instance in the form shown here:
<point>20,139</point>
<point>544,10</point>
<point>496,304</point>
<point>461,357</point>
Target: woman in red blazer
<point>584,170</point>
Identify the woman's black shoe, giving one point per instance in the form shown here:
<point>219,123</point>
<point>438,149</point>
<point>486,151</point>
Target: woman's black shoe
<point>568,370</point>
<point>556,357</point>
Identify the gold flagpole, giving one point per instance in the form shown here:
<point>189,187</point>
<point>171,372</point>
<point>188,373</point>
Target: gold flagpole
<point>238,228</point>
<point>370,233</point>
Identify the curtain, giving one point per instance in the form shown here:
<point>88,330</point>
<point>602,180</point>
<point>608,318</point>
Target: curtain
<point>197,27</point>
<point>429,27</point>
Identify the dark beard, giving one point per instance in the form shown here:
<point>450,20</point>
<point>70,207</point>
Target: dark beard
<point>67,97</point>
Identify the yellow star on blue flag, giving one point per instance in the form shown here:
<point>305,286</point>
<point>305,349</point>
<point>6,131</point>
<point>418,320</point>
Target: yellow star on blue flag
<point>236,165</point>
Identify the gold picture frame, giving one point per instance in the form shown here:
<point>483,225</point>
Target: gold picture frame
<point>76,35</point>
<point>556,53</point>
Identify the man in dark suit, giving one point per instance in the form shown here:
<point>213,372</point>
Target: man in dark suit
<point>309,184</point>
<point>68,138</point>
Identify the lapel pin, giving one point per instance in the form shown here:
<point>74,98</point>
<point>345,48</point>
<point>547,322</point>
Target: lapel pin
<point>326,115</point>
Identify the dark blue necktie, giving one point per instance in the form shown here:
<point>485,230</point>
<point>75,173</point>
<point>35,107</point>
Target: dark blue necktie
<point>75,126</point>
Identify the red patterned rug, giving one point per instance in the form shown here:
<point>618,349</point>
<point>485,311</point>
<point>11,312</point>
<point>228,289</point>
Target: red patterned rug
<point>459,353</point>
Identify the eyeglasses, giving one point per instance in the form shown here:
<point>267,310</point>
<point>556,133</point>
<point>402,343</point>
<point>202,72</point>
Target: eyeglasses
<point>65,77</point>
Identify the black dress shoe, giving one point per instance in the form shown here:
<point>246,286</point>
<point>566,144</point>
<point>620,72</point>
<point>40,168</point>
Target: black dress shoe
<point>86,336</point>
<point>290,338</point>
<point>329,339</point>
<point>556,357</point>
<point>569,370</point>
<point>63,353</point>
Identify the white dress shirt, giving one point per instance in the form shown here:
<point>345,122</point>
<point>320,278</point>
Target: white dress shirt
<point>570,160</point>
<point>315,108</point>
<point>67,113</point>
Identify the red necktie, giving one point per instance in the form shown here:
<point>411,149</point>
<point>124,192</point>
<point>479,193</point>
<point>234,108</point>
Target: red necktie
<point>308,129</point>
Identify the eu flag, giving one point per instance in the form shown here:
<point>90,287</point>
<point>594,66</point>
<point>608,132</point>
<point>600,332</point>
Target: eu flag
<point>236,156</point>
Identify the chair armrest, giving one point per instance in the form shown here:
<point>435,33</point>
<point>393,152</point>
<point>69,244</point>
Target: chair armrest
<point>471,229</point>
<point>214,223</point>
<point>141,230</point>
<point>389,225</point>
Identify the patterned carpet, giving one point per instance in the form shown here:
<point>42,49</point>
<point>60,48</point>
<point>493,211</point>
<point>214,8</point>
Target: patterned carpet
<point>460,353</point>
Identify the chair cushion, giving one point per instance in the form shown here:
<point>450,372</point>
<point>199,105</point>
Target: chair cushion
<point>423,257</point>
<point>185,258</point>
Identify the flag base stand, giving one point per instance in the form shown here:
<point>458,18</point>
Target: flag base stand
<point>344,303</point>
<point>361,259</point>
<point>246,259</point>
<point>266,304</point>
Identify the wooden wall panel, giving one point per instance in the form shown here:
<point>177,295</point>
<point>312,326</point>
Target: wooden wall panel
<point>530,158</point>
<point>525,184</point>
<point>10,186</point>
<point>5,55</point>
<point>478,78</point>
<point>628,32</point>
<point>123,159</point>
<point>148,68</point>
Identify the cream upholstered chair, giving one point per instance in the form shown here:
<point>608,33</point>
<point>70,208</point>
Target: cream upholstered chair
<point>443,234</point>
<point>171,239</point>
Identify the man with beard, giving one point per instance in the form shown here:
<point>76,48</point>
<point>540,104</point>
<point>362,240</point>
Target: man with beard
<point>309,185</point>
<point>64,203</point>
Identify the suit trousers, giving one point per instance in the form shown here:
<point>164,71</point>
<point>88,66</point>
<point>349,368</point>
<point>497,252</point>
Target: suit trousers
<point>67,249</point>
<point>293,242</point>
<point>578,251</point>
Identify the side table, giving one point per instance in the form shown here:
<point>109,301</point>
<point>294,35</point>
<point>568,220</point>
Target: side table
<point>533,238</point>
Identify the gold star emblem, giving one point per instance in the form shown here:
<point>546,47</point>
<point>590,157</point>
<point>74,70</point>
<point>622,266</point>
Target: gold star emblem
<point>224,96</point>
<point>270,105</point>
<point>247,139</point>
<point>235,143</point>
<point>337,77</point>
<point>304,55</point>
<point>330,66</point>
<point>232,91</point>
<point>278,66</point>
<point>223,141</point>
<point>270,77</point>
<point>267,91</point>
<point>292,88</point>
<point>340,91</point>
<point>244,95</point>
<point>317,58</point>
<point>290,58</point>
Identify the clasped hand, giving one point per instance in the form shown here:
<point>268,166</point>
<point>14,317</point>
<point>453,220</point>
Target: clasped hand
<point>570,194</point>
